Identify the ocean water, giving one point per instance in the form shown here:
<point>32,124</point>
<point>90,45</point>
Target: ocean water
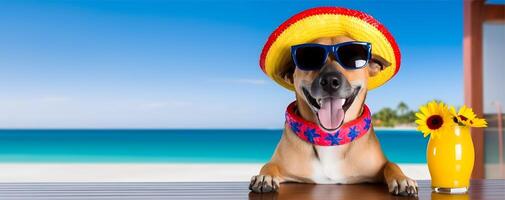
<point>166,146</point>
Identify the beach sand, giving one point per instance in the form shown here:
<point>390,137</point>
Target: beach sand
<point>119,172</point>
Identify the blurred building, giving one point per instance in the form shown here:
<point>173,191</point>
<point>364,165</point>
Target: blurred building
<point>484,81</point>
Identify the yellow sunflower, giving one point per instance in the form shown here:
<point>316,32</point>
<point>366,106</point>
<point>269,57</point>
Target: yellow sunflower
<point>434,118</point>
<point>467,117</point>
<point>478,122</point>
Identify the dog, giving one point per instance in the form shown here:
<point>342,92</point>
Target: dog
<point>359,161</point>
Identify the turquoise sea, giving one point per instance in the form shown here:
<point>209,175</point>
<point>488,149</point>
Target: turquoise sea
<point>188,146</point>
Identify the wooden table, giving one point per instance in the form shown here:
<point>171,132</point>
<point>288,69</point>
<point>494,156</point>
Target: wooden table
<point>480,189</point>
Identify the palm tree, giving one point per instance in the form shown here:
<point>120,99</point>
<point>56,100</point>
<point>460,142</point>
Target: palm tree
<point>386,116</point>
<point>402,108</point>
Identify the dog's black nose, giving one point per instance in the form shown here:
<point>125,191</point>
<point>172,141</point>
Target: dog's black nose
<point>330,82</point>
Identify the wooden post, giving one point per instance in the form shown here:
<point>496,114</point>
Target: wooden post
<point>473,75</point>
<point>494,14</point>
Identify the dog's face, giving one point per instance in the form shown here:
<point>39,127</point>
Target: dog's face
<point>332,95</point>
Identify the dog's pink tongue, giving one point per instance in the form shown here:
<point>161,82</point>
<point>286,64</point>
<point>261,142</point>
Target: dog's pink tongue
<point>331,113</point>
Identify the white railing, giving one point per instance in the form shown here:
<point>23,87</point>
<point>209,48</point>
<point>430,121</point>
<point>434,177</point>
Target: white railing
<point>500,136</point>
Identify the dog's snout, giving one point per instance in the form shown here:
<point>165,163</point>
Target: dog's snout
<point>330,82</point>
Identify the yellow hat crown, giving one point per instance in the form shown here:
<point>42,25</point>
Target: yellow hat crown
<point>320,22</point>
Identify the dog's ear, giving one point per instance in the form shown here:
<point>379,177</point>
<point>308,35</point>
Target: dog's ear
<point>288,71</point>
<point>376,65</point>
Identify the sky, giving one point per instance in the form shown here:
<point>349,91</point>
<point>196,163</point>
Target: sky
<point>192,64</point>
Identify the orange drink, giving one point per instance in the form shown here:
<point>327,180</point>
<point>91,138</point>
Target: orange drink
<point>450,158</point>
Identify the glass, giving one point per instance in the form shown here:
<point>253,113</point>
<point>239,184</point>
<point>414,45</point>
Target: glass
<point>450,160</point>
<point>350,55</point>
<point>494,99</point>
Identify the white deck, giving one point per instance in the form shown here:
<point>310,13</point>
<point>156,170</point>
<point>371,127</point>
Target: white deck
<point>57,172</point>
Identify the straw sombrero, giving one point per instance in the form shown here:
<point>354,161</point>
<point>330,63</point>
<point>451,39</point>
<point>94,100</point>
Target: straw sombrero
<point>328,22</point>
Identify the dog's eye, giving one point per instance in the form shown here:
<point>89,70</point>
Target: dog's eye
<point>379,63</point>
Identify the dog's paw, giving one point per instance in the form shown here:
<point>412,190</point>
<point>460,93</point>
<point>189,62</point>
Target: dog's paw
<point>403,186</point>
<point>264,183</point>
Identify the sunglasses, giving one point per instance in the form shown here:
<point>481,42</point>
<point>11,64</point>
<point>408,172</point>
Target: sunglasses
<point>350,55</point>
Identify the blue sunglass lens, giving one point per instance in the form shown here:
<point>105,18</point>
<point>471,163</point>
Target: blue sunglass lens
<point>353,56</point>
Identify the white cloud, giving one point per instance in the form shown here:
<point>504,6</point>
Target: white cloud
<point>53,99</point>
<point>197,111</point>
